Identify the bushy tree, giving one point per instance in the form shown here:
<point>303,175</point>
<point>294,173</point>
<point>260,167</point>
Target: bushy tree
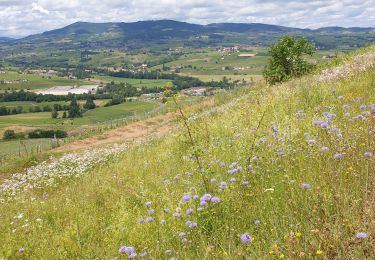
<point>89,104</point>
<point>74,109</point>
<point>288,59</point>
<point>9,135</point>
<point>54,114</point>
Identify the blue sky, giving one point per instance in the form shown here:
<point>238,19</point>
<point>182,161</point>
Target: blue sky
<point>23,17</point>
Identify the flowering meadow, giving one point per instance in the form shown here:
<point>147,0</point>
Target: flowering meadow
<point>282,172</point>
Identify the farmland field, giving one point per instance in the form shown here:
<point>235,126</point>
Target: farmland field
<point>138,83</point>
<point>36,82</point>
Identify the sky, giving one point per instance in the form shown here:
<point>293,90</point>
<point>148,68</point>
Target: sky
<point>20,18</point>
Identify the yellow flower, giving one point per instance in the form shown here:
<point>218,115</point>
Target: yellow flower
<point>271,252</point>
<point>298,234</point>
<point>319,252</point>
<point>282,256</point>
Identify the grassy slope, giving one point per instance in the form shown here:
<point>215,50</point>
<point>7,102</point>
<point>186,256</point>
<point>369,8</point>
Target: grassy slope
<point>92,216</point>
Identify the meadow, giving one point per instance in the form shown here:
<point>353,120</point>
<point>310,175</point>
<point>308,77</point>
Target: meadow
<point>268,172</point>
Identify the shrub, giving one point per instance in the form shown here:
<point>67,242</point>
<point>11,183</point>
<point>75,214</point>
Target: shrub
<point>287,60</point>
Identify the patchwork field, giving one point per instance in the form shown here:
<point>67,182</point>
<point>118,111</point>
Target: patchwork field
<point>35,82</point>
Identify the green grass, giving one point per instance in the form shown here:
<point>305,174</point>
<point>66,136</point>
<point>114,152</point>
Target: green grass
<point>21,147</point>
<point>36,81</point>
<point>98,115</point>
<point>92,216</point>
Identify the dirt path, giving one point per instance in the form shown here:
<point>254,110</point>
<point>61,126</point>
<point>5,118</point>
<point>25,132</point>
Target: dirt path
<point>155,126</point>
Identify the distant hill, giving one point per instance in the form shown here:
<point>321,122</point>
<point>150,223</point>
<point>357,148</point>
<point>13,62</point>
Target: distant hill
<point>5,39</point>
<point>136,35</point>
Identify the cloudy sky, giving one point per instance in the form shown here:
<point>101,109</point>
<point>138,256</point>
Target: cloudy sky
<point>23,17</point>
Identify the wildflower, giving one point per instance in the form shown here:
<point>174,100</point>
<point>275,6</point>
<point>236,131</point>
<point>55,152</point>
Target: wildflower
<point>237,135</point>
<point>319,252</point>
<point>324,149</point>
<point>215,199</point>
<point>346,106</point>
<point>347,114</point>
<point>195,197</point>
<point>246,238</point>
<point>168,252</point>
<point>255,158</point>
<point>223,185</point>
<point>363,107</point>
<point>257,222</point>
<point>149,219</point>
<point>148,203</point>
<point>222,164</point>
<point>141,220</point>
<point>311,142</point>
<point>203,203</point>
<point>263,140</point>
<point>213,180</point>
<point>21,250</point>
<point>191,224</point>
<point>176,215</point>
<point>186,198</point>
<point>233,180</point>
<point>306,186</point>
<point>144,254</point>
<point>361,235</point>
<point>324,125</point>
<point>166,210</point>
<point>133,255</point>
<point>206,197</point>
<point>200,209</point>
<point>282,256</point>
<point>189,211</point>
<point>368,154</point>
<point>338,156</point>
<point>162,222</point>
<point>151,211</point>
<point>341,97</point>
<point>244,182</point>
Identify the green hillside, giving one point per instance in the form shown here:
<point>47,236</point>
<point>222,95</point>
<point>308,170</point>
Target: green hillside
<point>281,172</point>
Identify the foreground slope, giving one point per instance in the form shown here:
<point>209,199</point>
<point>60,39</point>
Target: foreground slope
<point>284,172</point>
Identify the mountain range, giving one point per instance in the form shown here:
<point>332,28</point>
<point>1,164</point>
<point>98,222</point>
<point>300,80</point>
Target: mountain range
<point>84,35</point>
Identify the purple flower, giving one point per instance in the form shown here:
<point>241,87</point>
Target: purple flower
<point>148,203</point>
<point>133,256</point>
<point>347,114</point>
<point>162,222</point>
<point>176,215</point>
<point>222,164</point>
<point>141,220</point>
<point>263,140</point>
<point>245,182</point>
<point>213,180</point>
<point>324,125</point>
<point>21,250</point>
<point>338,156</point>
<point>237,135</point>
<point>346,106</point>
<point>363,107</point>
<point>215,199</point>
<point>257,222</point>
<point>144,254</point>
<point>223,185</point>
<point>122,249</point>
<point>191,224</point>
<point>167,210</point>
<point>233,180</point>
<point>368,154</point>
<point>149,219</point>
<point>206,197</point>
<point>324,149</point>
<point>311,142</point>
<point>186,198</point>
<point>203,203</point>
<point>341,97</point>
<point>246,238</point>
<point>361,235</point>
<point>151,211</point>
<point>195,196</point>
<point>306,186</point>
<point>189,211</point>
<point>255,158</point>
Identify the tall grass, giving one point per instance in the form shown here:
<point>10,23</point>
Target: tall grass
<point>291,167</point>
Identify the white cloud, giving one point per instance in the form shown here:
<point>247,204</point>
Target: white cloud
<point>23,17</point>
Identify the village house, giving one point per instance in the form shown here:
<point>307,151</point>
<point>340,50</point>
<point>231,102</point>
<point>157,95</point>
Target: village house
<point>194,91</point>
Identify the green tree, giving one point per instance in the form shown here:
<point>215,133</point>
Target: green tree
<point>54,114</point>
<point>74,109</point>
<point>64,114</point>
<point>288,59</point>
<point>9,135</point>
<point>89,104</point>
